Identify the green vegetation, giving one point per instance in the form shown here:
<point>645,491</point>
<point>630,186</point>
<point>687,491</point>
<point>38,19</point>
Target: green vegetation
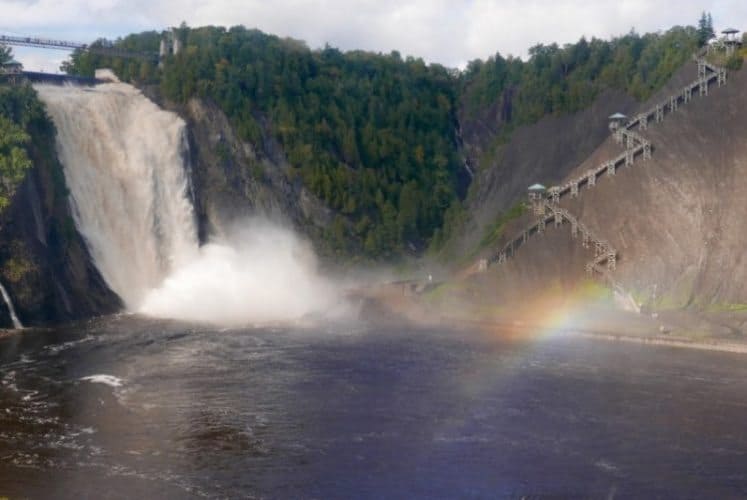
<point>371,135</point>
<point>21,115</point>
<point>5,54</point>
<point>495,230</point>
<point>705,29</point>
<point>374,136</point>
<point>566,79</point>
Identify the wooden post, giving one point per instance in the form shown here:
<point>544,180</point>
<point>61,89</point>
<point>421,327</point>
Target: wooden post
<point>673,103</point>
<point>612,261</point>
<point>501,257</point>
<point>619,136</point>
<point>646,150</point>
<point>701,68</point>
<point>555,195</point>
<point>598,249</point>
<point>703,86</point>
<point>688,95</point>
<point>659,113</point>
<point>611,168</point>
<point>722,77</point>
<point>558,218</point>
<point>541,226</point>
<point>629,157</point>
<point>574,189</point>
<point>643,121</point>
<point>591,178</point>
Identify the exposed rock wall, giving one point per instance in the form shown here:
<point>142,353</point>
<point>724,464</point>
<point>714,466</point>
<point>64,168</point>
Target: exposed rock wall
<point>678,221</point>
<point>44,263</point>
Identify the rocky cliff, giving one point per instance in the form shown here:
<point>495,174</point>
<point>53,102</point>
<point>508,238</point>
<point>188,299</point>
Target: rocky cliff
<point>44,263</point>
<point>677,220</point>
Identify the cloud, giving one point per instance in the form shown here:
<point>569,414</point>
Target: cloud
<point>450,32</point>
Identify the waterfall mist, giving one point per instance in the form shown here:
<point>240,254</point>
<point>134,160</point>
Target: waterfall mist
<point>125,163</point>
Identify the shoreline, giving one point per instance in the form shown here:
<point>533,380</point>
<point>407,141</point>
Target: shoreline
<point>714,345</point>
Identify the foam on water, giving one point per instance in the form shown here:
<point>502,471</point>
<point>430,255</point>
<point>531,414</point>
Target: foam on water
<point>109,380</point>
<point>126,164</point>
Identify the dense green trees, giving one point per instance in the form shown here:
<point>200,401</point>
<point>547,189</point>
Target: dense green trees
<point>371,135</point>
<point>21,115</point>
<point>374,135</point>
<point>705,29</point>
<point>565,79</point>
<point>5,54</point>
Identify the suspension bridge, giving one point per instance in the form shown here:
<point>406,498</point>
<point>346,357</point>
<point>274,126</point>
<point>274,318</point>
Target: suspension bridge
<point>102,47</point>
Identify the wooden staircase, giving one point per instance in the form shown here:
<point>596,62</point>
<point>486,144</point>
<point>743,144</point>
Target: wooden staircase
<point>548,210</point>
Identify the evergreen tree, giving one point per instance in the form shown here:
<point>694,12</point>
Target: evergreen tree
<point>705,28</point>
<point>5,54</point>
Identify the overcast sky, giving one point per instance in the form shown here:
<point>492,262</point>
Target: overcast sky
<point>450,32</point>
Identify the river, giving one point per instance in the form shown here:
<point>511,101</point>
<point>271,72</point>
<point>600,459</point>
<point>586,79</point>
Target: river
<point>126,407</point>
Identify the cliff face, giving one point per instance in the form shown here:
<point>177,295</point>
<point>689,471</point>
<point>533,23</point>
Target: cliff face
<point>543,152</point>
<point>234,179</point>
<point>44,262</point>
<point>678,221</point>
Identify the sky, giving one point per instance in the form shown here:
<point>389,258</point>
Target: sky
<point>450,32</point>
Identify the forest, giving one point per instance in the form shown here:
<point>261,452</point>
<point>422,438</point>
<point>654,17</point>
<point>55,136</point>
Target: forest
<point>374,136</point>
<point>21,115</point>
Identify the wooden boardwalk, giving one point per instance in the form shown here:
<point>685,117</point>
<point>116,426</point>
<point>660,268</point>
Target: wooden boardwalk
<point>636,147</point>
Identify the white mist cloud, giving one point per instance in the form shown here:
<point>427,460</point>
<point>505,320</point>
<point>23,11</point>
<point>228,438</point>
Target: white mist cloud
<point>449,32</point>
<point>261,273</point>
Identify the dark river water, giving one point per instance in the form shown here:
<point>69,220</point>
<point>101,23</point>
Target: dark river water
<point>342,411</point>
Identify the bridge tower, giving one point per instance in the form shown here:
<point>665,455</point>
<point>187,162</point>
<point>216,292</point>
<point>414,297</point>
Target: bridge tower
<point>171,44</point>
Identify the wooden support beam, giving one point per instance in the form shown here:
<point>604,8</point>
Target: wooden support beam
<point>646,150</point>
<point>673,103</point>
<point>703,86</point>
<point>619,136</point>
<point>722,77</point>
<point>541,226</point>
<point>611,168</point>
<point>659,113</point>
<point>643,121</point>
<point>555,195</point>
<point>591,178</point>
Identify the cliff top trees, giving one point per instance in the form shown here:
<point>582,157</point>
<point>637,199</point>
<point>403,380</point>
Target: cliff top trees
<point>5,54</point>
<point>705,28</point>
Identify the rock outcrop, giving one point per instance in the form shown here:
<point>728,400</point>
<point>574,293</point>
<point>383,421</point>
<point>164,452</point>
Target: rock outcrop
<point>44,262</point>
<point>677,220</point>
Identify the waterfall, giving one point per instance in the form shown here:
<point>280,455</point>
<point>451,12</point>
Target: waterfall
<point>124,164</point>
<point>16,322</point>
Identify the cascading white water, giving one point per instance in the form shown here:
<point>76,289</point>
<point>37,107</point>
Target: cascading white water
<point>124,163</point>
<point>12,310</point>
<point>123,159</point>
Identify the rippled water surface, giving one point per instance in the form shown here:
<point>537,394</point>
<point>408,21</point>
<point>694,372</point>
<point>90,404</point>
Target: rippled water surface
<point>126,407</point>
